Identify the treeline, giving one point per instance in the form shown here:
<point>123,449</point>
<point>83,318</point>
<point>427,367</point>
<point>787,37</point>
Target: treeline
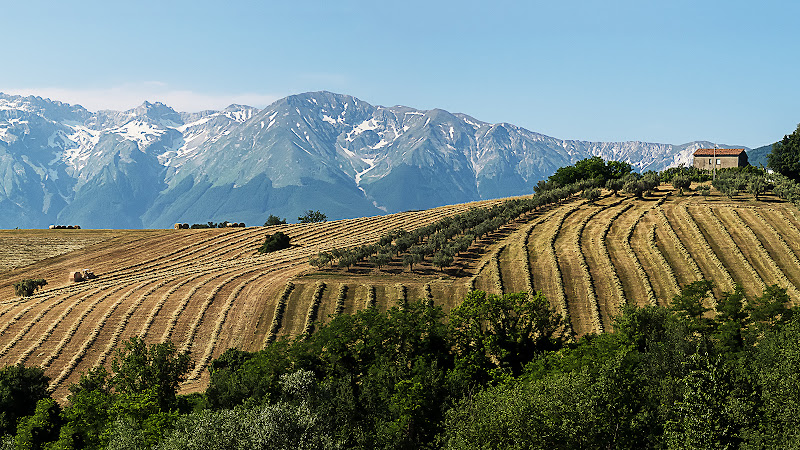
<point>501,371</point>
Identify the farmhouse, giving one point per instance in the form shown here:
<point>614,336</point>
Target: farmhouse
<point>719,158</point>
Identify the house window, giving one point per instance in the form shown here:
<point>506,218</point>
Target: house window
<point>719,161</point>
<point>710,160</point>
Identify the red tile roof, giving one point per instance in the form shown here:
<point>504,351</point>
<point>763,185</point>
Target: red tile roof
<point>719,152</point>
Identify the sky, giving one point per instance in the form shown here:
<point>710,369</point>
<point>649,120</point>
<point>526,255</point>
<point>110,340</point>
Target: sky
<point>656,71</point>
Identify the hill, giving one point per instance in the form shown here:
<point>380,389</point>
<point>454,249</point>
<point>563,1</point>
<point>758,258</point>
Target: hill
<point>208,290</point>
<point>152,166</point>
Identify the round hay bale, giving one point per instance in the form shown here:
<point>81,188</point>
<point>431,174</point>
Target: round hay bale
<point>177,226</point>
<point>70,227</point>
<point>241,224</point>
<point>75,276</point>
<point>52,227</point>
<point>229,225</point>
<point>77,227</point>
<point>185,226</point>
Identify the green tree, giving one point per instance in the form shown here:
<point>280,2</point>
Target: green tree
<point>681,182</point>
<point>312,217</point>
<point>155,371</point>
<point>21,388</point>
<point>615,185</point>
<point>274,220</point>
<point>505,332</point>
<point>757,186</point>
<point>591,194</point>
<point>785,155</point>
<point>689,306</point>
<point>275,242</point>
<point>87,413</point>
<point>34,432</point>
<point>27,287</point>
<point>409,259</point>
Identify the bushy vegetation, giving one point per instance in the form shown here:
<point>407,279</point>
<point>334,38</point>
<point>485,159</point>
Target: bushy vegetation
<point>785,156</point>
<point>198,226</point>
<point>274,242</point>
<point>26,287</point>
<point>274,220</point>
<point>312,217</point>
<point>501,372</point>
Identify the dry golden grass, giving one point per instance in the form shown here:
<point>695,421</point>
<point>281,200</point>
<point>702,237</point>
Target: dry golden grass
<point>208,290</point>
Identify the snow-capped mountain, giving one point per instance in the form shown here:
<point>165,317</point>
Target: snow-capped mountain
<point>152,166</point>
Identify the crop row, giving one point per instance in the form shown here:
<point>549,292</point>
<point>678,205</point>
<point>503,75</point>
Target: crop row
<point>673,236</point>
<point>701,240</point>
<point>722,231</point>
<point>195,326</point>
<point>340,298</point>
<point>626,242</point>
<point>201,364</point>
<point>764,254</point>
<point>371,300</point>
<point>277,317</point>
<point>591,295</point>
<point>77,357</point>
<point>498,276</point>
<point>123,322</point>
<point>561,296</point>
<point>316,299</point>
<point>652,241</point>
<point>784,245</point>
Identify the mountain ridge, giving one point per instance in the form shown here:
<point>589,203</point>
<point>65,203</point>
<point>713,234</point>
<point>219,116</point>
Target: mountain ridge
<point>152,166</point>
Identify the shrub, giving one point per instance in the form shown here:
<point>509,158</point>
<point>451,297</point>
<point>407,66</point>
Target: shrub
<point>27,287</point>
<point>275,242</point>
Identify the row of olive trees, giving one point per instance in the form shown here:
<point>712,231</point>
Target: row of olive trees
<point>732,182</point>
<point>445,239</point>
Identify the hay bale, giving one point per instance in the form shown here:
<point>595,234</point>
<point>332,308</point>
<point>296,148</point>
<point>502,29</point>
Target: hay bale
<point>52,227</point>
<point>77,227</point>
<point>185,226</point>
<point>75,276</point>
<point>241,224</point>
<point>177,226</point>
<point>70,227</point>
<point>229,225</point>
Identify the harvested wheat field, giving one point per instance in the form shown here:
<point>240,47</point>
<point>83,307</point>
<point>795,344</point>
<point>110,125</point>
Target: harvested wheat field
<point>205,290</point>
<point>208,290</point>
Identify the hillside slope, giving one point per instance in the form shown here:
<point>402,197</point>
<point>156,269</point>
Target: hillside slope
<point>207,290</point>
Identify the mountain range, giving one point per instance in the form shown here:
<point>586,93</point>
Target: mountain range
<point>150,167</point>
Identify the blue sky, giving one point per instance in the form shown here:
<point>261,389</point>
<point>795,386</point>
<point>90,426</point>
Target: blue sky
<point>666,71</point>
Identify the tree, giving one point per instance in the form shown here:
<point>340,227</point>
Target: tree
<point>275,242</point>
<point>27,287</point>
<point>274,220</point>
<point>443,258</point>
<point>158,368</point>
<point>756,186</point>
<point>591,194</point>
<point>380,260</point>
<point>615,185</point>
<point>680,182</point>
<point>503,331</point>
<point>88,411</point>
<point>33,432</point>
<point>785,156</point>
<point>409,259</point>
<point>20,389</point>
<point>312,217</point>
<point>688,305</point>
